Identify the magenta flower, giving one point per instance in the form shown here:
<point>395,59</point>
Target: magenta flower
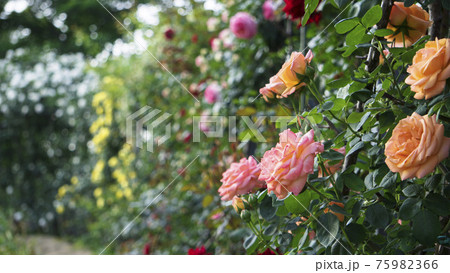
<point>268,10</point>
<point>212,93</point>
<point>243,25</point>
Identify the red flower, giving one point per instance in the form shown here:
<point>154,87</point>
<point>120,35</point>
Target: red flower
<point>198,251</point>
<point>295,9</point>
<point>194,38</point>
<point>146,250</point>
<point>170,33</point>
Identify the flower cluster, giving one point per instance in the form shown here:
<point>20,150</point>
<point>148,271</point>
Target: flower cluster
<point>284,168</point>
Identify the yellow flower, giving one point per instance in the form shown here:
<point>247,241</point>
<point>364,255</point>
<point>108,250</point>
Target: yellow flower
<point>100,203</point>
<point>128,193</point>
<point>59,209</point>
<point>74,180</point>
<point>113,161</point>
<point>119,194</point>
<point>98,192</point>
<point>62,191</point>
<point>97,172</point>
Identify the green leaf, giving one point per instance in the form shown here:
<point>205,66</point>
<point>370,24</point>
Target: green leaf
<point>332,155</point>
<point>355,148</point>
<point>388,180</point>
<point>372,16</point>
<point>412,190</point>
<point>285,239</point>
<point>345,25</point>
<point>339,83</point>
<point>310,6</point>
<point>302,240</point>
<point>327,228</point>
<point>266,210</point>
<point>338,209</point>
<point>270,230</point>
<point>298,204</point>
<point>433,181</point>
<point>355,36</point>
<point>354,117</point>
<point>356,233</point>
<point>377,216</point>
<point>426,227</point>
<point>353,182</point>
<point>250,243</point>
<point>349,51</point>
<point>437,204</point>
<point>383,32</point>
<point>409,208</point>
<point>387,119</point>
<point>341,3</point>
<point>363,120</point>
<point>327,105</point>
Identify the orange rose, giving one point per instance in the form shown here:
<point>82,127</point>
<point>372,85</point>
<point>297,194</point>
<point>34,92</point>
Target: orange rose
<point>288,73</point>
<point>417,145</point>
<point>430,69</point>
<point>408,23</point>
<point>340,216</point>
<point>238,204</point>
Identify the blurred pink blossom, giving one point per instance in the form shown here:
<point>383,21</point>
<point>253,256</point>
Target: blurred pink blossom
<point>269,10</point>
<point>243,25</point>
<point>212,93</point>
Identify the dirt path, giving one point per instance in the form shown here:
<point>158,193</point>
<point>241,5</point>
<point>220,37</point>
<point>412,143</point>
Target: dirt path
<point>49,245</point>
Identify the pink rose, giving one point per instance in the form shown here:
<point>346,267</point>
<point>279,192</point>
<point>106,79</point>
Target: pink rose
<point>240,178</point>
<point>243,25</point>
<point>285,167</point>
<point>212,93</point>
<point>268,10</point>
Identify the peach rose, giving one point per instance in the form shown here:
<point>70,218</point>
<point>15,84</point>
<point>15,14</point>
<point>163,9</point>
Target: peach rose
<point>430,69</point>
<point>333,168</point>
<point>340,216</point>
<point>417,145</point>
<point>408,23</point>
<point>238,204</point>
<point>296,64</point>
<point>266,93</point>
<point>240,178</point>
<point>285,167</point>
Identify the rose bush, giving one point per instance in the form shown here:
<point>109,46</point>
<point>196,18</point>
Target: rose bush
<point>351,162</point>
